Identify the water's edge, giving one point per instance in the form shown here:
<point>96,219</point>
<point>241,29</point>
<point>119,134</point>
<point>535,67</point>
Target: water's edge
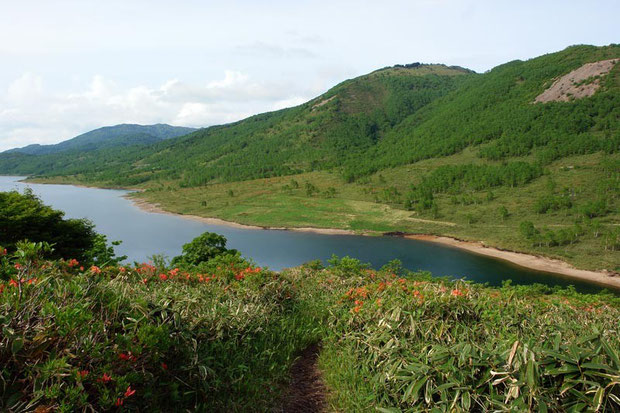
<point>538,263</point>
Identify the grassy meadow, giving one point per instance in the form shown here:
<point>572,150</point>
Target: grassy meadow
<point>324,200</point>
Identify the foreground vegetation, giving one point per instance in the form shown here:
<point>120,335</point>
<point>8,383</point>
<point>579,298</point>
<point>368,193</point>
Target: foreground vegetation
<point>215,332</point>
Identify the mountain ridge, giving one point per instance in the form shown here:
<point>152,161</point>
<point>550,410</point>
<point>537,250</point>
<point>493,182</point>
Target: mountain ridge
<point>108,136</point>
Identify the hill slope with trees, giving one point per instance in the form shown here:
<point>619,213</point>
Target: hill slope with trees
<point>413,148</point>
<point>107,137</point>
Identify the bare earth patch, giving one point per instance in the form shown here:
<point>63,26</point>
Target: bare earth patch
<point>323,102</point>
<point>306,392</point>
<point>579,83</point>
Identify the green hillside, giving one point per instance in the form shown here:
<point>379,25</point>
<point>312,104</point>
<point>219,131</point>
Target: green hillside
<point>347,120</point>
<point>107,137</point>
<point>415,148</point>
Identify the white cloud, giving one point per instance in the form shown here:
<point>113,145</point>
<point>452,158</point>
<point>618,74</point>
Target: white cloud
<point>31,114</point>
<point>25,88</point>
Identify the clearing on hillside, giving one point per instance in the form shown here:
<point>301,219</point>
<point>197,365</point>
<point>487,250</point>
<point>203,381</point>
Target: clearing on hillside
<point>579,83</point>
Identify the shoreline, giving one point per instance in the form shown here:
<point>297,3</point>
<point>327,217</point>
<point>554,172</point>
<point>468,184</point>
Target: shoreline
<point>602,278</point>
<point>533,262</point>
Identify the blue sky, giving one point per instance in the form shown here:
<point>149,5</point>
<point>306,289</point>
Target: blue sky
<point>72,66</point>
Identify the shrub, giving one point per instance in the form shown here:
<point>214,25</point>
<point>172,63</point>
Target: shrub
<point>203,248</point>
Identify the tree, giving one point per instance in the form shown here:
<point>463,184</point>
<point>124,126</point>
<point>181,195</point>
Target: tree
<point>529,231</point>
<point>25,217</point>
<point>203,248</point>
<point>503,212</point>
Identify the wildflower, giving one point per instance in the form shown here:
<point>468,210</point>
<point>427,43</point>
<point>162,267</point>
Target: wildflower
<point>1,288</point>
<point>119,402</point>
<point>144,281</point>
<point>127,357</point>
<point>357,309</point>
<point>73,263</point>
<point>379,303</point>
<point>18,266</point>
<point>105,378</point>
<point>457,293</point>
<point>173,272</point>
<point>13,283</point>
<point>164,366</point>
<point>81,268</point>
<point>31,281</point>
<point>3,252</point>
<point>163,277</point>
<point>122,270</point>
<point>95,270</point>
<point>82,373</point>
<point>129,392</point>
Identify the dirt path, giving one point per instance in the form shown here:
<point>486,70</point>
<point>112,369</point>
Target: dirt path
<point>306,392</point>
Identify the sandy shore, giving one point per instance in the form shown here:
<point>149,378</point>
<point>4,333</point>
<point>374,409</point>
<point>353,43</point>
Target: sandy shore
<point>526,260</point>
<point>149,207</point>
<point>603,278</point>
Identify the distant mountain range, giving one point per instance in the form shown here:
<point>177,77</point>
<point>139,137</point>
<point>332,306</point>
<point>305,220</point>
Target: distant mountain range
<point>108,137</point>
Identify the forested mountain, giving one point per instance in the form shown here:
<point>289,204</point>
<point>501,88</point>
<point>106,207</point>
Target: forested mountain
<point>393,116</point>
<point>525,156</point>
<point>107,137</point>
<point>349,119</point>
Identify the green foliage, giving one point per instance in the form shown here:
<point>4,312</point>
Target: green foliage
<point>107,137</point>
<point>503,212</point>
<point>202,249</point>
<point>181,341</point>
<point>548,237</point>
<point>414,345</point>
<point>552,203</point>
<point>224,339</point>
<point>346,266</point>
<point>310,189</point>
<point>102,253</point>
<point>25,217</point>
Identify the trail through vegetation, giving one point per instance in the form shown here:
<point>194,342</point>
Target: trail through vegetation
<point>306,392</point>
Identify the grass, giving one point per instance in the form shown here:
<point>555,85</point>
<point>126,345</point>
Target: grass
<point>223,336</point>
<point>362,207</point>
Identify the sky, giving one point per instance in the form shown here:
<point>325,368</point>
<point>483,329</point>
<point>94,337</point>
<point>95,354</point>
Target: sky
<point>70,66</point>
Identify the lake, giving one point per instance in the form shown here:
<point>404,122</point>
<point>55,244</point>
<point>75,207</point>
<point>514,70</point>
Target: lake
<point>144,234</point>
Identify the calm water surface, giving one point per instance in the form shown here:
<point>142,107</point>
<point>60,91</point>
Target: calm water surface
<point>144,234</point>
